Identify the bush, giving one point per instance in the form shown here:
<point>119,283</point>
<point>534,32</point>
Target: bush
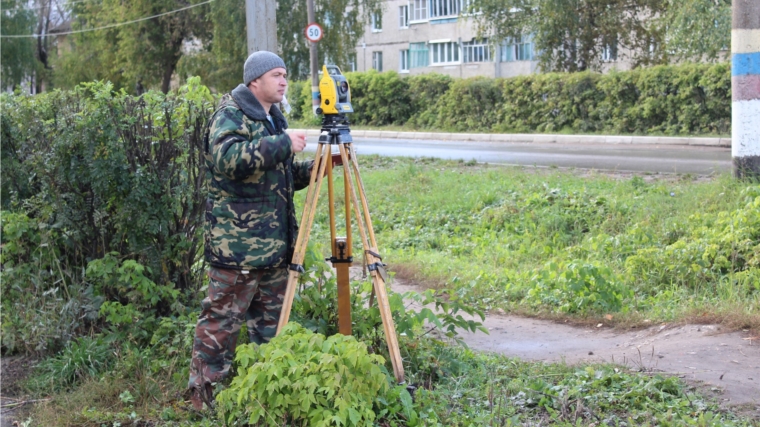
<point>424,92</point>
<point>379,98</point>
<point>689,99</point>
<point>297,98</point>
<point>469,104</point>
<point>302,378</point>
<point>578,288</point>
<point>42,308</point>
<point>715,246</point>
<point>94,172</point>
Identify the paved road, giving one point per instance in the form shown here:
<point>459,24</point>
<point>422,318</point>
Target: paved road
<point>639,158</point>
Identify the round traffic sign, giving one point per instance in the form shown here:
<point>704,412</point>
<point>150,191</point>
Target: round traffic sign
<point>314,32</point>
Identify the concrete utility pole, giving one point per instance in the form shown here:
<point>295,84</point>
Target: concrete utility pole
<point>313,58</point>
<point>261,23</point>
<point>745,88</point>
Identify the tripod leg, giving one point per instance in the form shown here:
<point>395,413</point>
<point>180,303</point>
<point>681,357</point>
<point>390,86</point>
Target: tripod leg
<point>341,255</point>
<point>375,263</point>
<point>312,196</point>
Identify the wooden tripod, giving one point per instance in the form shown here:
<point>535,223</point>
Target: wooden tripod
<point>335,131</point>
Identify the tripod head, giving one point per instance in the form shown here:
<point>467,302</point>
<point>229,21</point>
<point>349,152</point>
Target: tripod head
<point>335,130</point>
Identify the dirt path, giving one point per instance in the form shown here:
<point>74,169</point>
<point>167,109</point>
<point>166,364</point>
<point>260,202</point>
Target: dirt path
<point>12,402</point>
<point>727,364</point>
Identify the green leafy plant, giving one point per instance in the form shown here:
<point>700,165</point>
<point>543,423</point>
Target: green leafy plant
<point>578,288</point>
<point>302,378</point>
<point>82,358</point>
<point>414,314</point>
<point>43,306</point>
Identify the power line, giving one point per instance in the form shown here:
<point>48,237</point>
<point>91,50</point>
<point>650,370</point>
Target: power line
<point>107,26</point>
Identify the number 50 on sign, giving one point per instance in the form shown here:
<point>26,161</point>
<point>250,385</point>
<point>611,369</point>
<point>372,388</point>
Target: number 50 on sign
<point>313,32</point>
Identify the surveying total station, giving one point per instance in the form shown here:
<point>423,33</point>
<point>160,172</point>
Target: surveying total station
<point>335,102</point>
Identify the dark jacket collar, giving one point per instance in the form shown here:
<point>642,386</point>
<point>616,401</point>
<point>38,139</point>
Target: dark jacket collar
<point>252,107</point>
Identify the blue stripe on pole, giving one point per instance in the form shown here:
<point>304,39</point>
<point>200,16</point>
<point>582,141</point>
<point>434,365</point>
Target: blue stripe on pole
<point>745,63</point>
<point>315,95</point>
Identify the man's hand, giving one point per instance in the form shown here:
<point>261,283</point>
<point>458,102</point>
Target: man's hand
<point>298,140</point>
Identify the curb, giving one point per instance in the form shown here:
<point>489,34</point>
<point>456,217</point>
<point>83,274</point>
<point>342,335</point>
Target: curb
<point>539,138</point>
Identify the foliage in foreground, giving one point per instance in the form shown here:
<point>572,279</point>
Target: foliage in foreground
<point>102,200</point>
<point>456,386</point>
<point>302,378</point>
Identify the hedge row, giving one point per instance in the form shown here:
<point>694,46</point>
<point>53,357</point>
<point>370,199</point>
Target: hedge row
<point>673,100</point>
<point>102,210</point>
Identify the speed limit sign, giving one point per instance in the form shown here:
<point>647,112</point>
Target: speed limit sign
<point>314,32</point>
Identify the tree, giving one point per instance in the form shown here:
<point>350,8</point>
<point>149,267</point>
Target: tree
<point>571,35</point>
<point>141,54</point>
<point>697,29</point>
<point>344,22</point>
<point>16,54</point>
<point>220,64</point>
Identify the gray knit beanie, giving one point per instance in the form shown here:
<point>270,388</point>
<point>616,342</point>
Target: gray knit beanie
<point>259,63</point>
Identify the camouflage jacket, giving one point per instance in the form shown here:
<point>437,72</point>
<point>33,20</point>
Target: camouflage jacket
<point>251,177</point>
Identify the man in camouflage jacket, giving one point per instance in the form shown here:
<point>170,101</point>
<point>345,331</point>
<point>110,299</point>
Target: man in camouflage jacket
<point>251,225</point>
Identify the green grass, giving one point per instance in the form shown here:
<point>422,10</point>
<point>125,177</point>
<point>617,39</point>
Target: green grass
<point>569,243</point>
<point>493,390</point>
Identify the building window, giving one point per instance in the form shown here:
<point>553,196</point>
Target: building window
<point>609,53</point>
<point>377,21</point>
<point>377,61</point>
<point>352,62</point>
<point>445,53</point>
<point>518,49</point>
<point>404,60</point>
<point>418,55</point>
<point>439,8</point>
<point>420,10</point>
<point>403,16</point>
<point>476,51</point>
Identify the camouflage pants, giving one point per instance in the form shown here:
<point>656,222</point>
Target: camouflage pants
<point>234,297</point>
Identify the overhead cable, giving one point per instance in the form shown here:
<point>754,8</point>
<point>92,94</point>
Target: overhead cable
<point>87,30</point>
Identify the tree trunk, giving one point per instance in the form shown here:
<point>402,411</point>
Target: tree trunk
<point>167,79</point>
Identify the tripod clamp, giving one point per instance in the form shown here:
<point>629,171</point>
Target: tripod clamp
<point>378,266</point>
<point>296,267</point>
<point>340,245</point>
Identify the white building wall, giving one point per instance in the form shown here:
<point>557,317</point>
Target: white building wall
<point>393,38</point>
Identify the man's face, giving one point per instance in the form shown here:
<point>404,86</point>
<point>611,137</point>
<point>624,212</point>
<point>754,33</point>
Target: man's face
<point>271,86</point>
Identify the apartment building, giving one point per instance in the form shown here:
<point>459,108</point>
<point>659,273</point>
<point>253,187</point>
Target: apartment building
<point>424,36</point>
